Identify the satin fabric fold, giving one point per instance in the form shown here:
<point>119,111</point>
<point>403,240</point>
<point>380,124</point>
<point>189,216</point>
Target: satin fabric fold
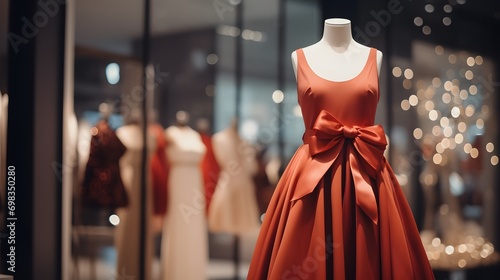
<point>365,148</point>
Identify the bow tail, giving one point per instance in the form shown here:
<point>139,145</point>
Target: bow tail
<point>365,197</point>
<point>315,169</point>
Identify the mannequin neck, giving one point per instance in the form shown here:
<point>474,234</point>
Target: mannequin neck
<point>234,124</point>
<point>132,122</point>
<point>337,33</point>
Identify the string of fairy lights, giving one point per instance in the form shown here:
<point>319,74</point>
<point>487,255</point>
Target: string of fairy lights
<point>456,105</point>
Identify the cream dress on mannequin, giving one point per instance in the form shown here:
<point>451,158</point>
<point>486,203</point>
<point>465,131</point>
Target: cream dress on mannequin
<point>184,249</point>
<point>234,208</point>
<point>127,235</point>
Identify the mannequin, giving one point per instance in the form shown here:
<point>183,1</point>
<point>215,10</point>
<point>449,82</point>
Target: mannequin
<point>128,231</point>
<point>184,252</point>
<point>234,207</point>
<point>102,183</point>
<point>339,48</point>
<point>181,118</point>
<point>105,109</point>
<point>337,211</point>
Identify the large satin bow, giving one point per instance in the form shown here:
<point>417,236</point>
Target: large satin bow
<point>364,155</point>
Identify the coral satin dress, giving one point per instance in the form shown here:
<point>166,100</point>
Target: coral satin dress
<point>338,211</point>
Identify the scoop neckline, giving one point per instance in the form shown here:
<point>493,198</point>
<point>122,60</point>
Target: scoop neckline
<point>331,81</point>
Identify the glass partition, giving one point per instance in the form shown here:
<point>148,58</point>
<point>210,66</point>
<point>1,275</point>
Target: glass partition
<point>108,87</point>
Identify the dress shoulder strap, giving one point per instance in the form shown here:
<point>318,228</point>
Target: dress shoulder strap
<point>301,66</point>
<point>300,58</point>
<point>372,56</point>
<point>371,63</point>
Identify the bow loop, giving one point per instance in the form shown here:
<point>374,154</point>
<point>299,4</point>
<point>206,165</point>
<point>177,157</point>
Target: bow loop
<point>365,154</point>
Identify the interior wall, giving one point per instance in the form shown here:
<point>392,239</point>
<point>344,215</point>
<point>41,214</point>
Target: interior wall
<point>35,73</point>
<point>4,16</point>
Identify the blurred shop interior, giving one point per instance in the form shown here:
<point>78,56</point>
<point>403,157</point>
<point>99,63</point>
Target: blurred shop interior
<point>160,128</point>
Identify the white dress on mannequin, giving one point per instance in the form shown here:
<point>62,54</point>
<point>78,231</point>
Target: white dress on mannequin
<point>234,208</point>
<point>184,249</point>
<point>127,235</point>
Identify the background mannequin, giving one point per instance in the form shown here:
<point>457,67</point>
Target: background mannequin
<point>184,252</point>
<point>181,118</point>
<point>105,109</point>
<point>102,183</point>
<point>128,231</point>
<point>234,206</point>
<point>339,48</point>
<point>84,127</point>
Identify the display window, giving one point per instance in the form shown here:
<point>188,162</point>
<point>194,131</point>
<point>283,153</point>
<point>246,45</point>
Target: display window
<point>230,139</point>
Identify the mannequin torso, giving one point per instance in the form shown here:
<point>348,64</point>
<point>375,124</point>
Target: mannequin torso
<point>337,57</point>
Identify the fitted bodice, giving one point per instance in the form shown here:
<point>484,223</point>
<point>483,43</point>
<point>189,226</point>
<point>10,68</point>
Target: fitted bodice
<point>353,102</point>
<point>232,152</point>
<point>184,146</point>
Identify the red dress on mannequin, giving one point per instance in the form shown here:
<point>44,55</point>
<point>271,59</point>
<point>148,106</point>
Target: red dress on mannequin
<point>338,211</point>
<point>210,170</point>
<point>159,171</point>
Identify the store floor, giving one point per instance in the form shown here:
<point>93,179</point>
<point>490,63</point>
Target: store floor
<point>95,260</point>
<point>102,270</point>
